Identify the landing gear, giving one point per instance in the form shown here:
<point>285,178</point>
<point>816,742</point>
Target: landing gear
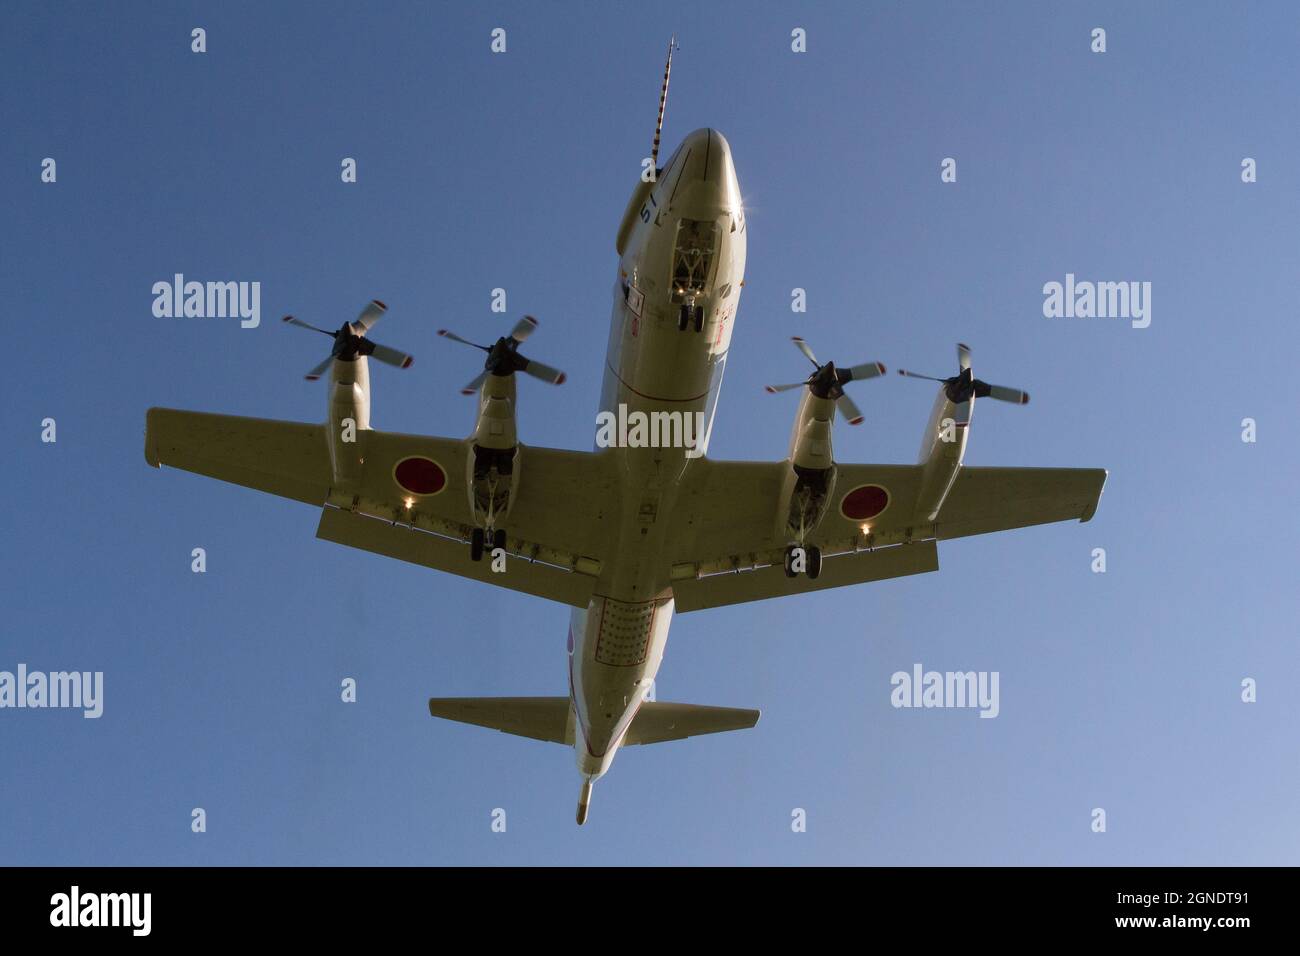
<point>479,540</point>
<point>690,314</point>
<point>806,559</point>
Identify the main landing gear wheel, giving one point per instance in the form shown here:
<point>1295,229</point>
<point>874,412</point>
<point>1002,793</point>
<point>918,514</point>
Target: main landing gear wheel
<point>812,561</point>
<point>476,545</point>
<point>498,538</point>
<point>790,572</point>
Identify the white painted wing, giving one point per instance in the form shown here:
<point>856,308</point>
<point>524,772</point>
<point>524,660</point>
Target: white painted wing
<point>557,520</point>
<point>563,506</point>
<point>288,459</point>
<point>998,499</point>
<point>729,545</point>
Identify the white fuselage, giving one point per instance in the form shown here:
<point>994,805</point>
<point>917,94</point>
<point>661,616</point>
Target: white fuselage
<point>686,246</point>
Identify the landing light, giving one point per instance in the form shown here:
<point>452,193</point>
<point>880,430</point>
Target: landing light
<point>866,529</point>
<point>408,502</point>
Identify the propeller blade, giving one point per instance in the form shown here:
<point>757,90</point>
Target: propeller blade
<point>852,414</point>
<point>963,356</point>
<point>391,356</point>
<point>303,325</point>
<point>474,385</point>
<point>773,389</point>
<point>547,374</point>
<point>928,378</point>
<point>456,338</point>
<point>961,413</point>
<point>319,370</point>
<point>1013,395</point>
<point>802,346</point>
<point>371,314</point>
<point>860,373</point>
<point>523,329</point>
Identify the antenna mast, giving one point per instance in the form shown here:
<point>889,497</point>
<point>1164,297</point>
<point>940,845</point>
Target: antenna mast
<point>663,101</point>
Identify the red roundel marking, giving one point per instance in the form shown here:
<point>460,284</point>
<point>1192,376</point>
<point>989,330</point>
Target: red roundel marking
<point>420,476</point>
<point>864,502</point>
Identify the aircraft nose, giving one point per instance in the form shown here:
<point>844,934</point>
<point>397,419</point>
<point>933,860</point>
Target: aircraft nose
<point>708,177</point>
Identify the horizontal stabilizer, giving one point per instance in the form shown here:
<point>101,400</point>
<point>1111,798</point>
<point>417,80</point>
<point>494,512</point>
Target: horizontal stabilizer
<point>551,718</point>
<point>658,721</point>
<point>542,718</point>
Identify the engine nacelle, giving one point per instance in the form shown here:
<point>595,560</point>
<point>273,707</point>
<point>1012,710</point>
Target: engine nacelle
<point>492,465</point>
<point>810,482</point>
<point>349,419</point>
<point>942,449</point>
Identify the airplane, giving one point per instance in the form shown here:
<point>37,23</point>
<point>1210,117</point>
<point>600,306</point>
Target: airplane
<point>630,534</point>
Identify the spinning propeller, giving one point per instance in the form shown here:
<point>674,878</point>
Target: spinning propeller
<point>503,357</point>
<point>963,387</point>
<point>829,381</point>
<point>350,341</point>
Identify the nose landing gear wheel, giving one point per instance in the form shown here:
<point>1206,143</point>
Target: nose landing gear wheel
<point>476,545</point>
<point>499,538</point>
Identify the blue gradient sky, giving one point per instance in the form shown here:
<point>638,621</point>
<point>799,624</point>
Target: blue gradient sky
<point>1118,690</point>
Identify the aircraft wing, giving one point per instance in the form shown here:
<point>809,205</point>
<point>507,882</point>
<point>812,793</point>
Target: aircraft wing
<point>729,545</point>
<point>288,459</point>
<point>554,529</point>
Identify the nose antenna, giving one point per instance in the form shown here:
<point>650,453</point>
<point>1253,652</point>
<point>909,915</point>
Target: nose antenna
<point>663,102</point>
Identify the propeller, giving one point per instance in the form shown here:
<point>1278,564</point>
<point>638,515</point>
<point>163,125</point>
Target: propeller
<point>828,381</point>
<point>963,387</point>
<point>350,341</point>
<point>503,357</point>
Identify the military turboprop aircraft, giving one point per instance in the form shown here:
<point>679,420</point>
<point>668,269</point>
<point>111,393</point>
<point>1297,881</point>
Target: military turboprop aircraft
<point>628,535</point>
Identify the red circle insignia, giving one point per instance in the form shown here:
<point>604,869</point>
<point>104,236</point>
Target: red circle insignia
<point>864,502</point>
<point>420,476</point>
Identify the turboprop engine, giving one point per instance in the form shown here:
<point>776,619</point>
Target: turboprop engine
<point>944,443</point>
<point>492,469</point>
<point>349,398</point>
<point>809,483</point>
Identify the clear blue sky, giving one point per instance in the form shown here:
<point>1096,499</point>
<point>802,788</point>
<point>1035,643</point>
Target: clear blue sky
<point>1118,690</point>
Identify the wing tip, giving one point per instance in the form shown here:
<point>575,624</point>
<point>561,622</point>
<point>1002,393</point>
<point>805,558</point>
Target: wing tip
<point>151,423</point>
